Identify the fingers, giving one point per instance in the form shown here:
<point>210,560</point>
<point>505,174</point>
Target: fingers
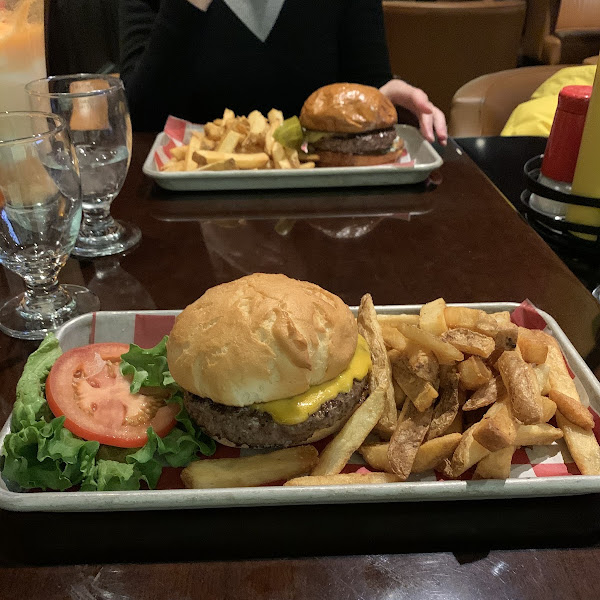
<point>432,121</point>
<point>426,126</point>
<point>420,102</point>
<point>439,125</point>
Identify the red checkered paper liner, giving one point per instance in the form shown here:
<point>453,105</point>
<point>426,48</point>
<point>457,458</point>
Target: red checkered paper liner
<point>146,330</point>
<point>178,132</point>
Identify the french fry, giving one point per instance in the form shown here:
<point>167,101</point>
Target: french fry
<point>241,125</point>
<point>497,431</point>
<point>460,317</point>
<point>275,117</point>
<point>404,410</point>
<point>376,456</point>
<point>487,394</point>
<point>421,392</point>
<point>533,345</point>
<point>206,144</point>
<point>468,452</point>
<point>380,376</point>
<point>283,164</point>
<point>394,320</point>
<point>343,479</point>
<point>399,395</point>
<point>542,373</point>
<point>446,353</point>
<point>243,161</point>
<point>337,453</point>
<point>250,471</point>
<point>189,163</point>
<point>428,456</point>
<point>433,452</point>
<point>521,383</point>
<point>502,317</point>
<point>221,165</point>
<point>473,373</point>
<point>293,159</point>
<point>548,408</point>
<point>228,115</point>
<point>174,166</point>
<point>541,434</point>
<point>470,342</point>
<point>423,364</point>
<point>560,379</point>
<point>446,410</point>
<point>506,338</point>
<point>269,139</point>
<point>249,139</point>
<point>393,338</point>
<point>431,317</point>
<point>582,445</point>
<point>572,409</point>
<point>307,157</point>
<point>178,152</point>
<point>406,440</point>
<point>495,465</point>
<point>229,142</point>
<point>213,132</point>
<point>278,154</point>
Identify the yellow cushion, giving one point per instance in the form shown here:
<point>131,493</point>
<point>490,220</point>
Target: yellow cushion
<point>535,116</point>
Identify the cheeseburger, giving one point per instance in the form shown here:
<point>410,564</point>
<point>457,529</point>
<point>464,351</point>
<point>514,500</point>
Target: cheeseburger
<point>268,361</point>
<point>348,124</point>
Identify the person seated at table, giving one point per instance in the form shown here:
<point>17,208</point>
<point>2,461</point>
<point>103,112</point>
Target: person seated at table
<point>193,58</point>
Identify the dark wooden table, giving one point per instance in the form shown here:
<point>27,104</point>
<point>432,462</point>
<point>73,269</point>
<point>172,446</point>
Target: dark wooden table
<point>455,237</point>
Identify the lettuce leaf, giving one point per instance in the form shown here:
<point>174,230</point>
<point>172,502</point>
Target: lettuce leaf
<point>147,367</point>
<point>47,456</point>
<point>40,453</point>
<point>30,405</point>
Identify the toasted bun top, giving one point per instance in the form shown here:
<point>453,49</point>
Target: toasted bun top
<point>348,108</point>
<point>260,338</point>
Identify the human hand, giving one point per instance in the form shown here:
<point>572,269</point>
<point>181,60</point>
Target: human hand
<point>431,119</point>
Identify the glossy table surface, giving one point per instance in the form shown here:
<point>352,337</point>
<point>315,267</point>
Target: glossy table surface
<point>455,236</point>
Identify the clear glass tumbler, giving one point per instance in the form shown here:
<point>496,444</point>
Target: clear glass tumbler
<point>95,109</point>
<point>40,215</point>
<point>22,53</point>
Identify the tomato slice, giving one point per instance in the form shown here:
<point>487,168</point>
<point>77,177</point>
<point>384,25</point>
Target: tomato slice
<point>86,386</point>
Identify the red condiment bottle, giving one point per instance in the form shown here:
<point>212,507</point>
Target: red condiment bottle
<point>562,148</point>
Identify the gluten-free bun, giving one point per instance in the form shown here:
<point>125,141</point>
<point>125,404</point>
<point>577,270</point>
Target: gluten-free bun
<point>259,338</point>
<point>347,108</point>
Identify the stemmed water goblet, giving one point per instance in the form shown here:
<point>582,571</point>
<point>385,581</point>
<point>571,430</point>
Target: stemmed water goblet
<point>95,109</point>
<point>40,215</point>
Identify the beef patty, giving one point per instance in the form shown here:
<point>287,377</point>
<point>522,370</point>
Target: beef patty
<point>248,427</point>
<point>373,142</point>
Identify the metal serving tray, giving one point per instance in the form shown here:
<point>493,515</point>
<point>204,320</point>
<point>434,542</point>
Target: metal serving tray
<point>129,325</point>
<point>426,159</point>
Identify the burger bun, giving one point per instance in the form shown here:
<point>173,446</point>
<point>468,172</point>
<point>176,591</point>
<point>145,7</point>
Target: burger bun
<point>260,338</point>
<point>347,108</point>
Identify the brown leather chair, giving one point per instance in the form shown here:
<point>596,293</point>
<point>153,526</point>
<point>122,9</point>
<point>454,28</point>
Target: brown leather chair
<point>482,106</point>
<point>439,46</point>
<point>561,31</point>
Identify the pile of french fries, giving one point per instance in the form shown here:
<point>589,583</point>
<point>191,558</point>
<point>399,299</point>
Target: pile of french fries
<point>237,143</point>
<point>451,388</point>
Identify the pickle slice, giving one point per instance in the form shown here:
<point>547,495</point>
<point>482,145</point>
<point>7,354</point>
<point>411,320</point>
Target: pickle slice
<point>290,134</point>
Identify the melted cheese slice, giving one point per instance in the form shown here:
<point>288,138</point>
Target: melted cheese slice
<point>294,410</point>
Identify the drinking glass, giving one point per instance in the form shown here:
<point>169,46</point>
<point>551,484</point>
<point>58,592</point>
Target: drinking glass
<point>22,53</point>
<point>96,113</point>
<point>40,214</point>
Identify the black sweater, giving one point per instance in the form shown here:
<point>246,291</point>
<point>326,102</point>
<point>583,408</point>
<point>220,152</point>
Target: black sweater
<point>176,59</point>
